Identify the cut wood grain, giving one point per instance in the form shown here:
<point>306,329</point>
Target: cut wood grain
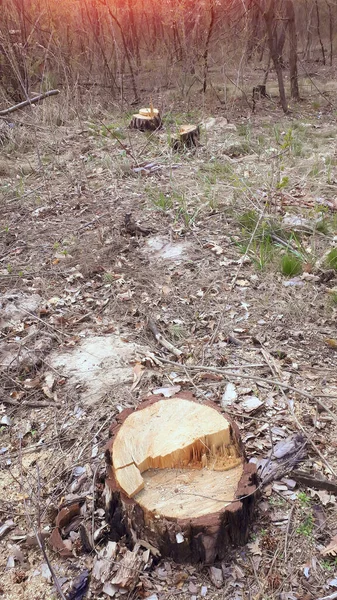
<point>178,478</point>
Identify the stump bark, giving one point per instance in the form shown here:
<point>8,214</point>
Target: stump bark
<point>188,137</point>
<point>177,477</point>
<point>147,119</point>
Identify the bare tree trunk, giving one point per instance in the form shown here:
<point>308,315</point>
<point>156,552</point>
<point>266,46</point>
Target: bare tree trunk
<point>290,12</point>
<point>330,31</point>
<point>208,39</point>
<point>280,43</point>
<point>125,46</point>
<point>270,20</point>
<point>319,32</point>
<point>307,52</point>
<point>132,39</point>
<point>253,40</point>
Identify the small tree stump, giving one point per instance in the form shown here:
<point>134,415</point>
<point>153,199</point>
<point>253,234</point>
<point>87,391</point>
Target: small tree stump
<point>259,91</point>
<point>147,119</point>
<point>188,137</point>
<point>178,478</point>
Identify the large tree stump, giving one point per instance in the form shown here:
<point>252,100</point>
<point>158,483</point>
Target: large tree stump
<point>178,478</point>
<point>188,137</point>
<point>147,119</point>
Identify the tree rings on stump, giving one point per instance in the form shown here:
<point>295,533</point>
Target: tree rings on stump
<point>188,137</point>
<point>147,119</point>
<point>178,478</point>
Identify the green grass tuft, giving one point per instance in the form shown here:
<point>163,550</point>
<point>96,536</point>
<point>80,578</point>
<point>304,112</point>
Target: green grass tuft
<point>291,265</point>
<point>248,220</point>
<point>331,259</point>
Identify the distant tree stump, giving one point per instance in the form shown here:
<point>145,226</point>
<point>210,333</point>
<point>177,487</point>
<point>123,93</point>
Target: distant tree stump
<point>188,137</point>
<point>177,477</point>
<point>147,119</point>
<point>260,91</point>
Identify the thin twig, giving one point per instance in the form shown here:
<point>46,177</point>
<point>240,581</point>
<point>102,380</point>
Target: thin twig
<point>161,340</point>
<point>244,376</point>
<point>287,534</point>
<point>93,509</point>
<point>40,539</point>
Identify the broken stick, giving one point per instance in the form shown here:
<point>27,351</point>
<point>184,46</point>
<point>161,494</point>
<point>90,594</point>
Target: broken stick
<point>28,102</point>
<point>161,340</point>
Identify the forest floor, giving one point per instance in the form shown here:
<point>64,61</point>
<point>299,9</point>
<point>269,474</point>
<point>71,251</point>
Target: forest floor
<point>232,251</point>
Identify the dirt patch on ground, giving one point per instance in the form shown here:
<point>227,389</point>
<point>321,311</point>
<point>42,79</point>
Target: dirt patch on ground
<point>96,365</point>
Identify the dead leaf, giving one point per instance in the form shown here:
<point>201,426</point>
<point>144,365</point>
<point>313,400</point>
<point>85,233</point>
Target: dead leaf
<point>230,395</point>
<point>331,548</point>
<point>57,544</point>
<point>332,343</point>
<point>242,283</point>
<point>216,576</point>
<point>17,395</point>
<point>66,514</point>
<point>79,587</point>
<point>138,371</point>
<point>168,391</point>
<point>6,527</point>
<point>210,377</point>
<point>31,384</point>
<point>325,497</point>
<point>254,547</point>
<point>47,388</point>
<point>251,403</point>
<point>109,589</point>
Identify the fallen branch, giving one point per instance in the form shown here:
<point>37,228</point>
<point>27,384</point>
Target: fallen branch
<point>314,480</point>
<point>29,403</point>
<point>29,102</point>
<point>161,340</point>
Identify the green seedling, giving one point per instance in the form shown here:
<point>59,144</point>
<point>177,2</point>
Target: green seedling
<point>303,499</point>
<point>329,565</point>
<point>333,297</point>
<point>306,527</point>
<point>283,183</point>
<point>108,277</point>
<point>162,201</point>
<point>331,259</point>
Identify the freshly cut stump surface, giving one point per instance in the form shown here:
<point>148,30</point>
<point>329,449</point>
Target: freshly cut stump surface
<point>176,471</point>
<point>147,119</point>
<point>188,137</point>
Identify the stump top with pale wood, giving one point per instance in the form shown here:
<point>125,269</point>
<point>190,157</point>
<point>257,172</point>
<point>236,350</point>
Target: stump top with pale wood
<point>177,471</point>
<point>147,119</point>
<point>174,448</point>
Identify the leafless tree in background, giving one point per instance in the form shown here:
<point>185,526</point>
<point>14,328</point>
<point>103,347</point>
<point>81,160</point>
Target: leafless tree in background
<point>130,44</point>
